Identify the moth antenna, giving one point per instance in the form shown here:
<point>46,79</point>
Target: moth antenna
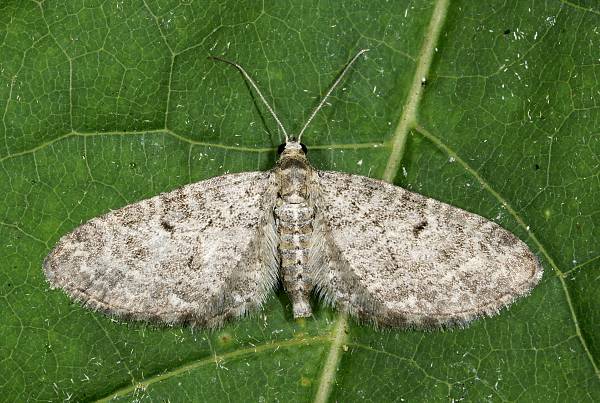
<point>330,90</point>
<point>260,95</point>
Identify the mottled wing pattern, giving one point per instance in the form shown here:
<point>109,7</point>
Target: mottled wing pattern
<point>199,254</point>
<point>397,258</point>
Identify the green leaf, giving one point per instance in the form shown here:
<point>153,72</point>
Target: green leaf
<point>490,106</point>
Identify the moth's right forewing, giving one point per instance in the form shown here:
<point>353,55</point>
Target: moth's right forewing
<point>195,254</point>
<point>415,261</point>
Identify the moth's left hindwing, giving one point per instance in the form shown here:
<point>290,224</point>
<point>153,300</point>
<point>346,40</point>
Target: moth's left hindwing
<point>398,258</point>
<point>199,254</point>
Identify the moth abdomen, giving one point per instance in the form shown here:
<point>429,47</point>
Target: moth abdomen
<point>295,239</point>
<point>295,218</point>
<point>295,214</point>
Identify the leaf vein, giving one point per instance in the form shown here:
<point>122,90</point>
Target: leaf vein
<point>561,276</point>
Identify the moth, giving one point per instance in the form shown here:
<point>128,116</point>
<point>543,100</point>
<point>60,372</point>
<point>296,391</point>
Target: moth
<point>213,250</point>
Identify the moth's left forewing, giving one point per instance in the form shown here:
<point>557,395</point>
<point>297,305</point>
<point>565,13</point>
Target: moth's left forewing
<point>401,259</point>
<point>199,254</point>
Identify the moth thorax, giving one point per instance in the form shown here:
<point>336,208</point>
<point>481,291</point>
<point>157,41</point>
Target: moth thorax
<point>294,176</point>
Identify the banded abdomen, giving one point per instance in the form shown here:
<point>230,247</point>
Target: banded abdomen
<point>295,229</point>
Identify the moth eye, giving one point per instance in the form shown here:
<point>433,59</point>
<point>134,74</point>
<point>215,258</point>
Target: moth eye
<point>280,149</point>
<point>304,149</point>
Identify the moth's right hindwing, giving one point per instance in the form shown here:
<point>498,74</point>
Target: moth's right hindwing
<point>397,258</point>
<point>198,254</point>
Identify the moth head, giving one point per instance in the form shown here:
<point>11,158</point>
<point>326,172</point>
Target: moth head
<point>292,148</point>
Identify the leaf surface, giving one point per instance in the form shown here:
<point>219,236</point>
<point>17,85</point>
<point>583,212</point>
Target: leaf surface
<point>490,106</point>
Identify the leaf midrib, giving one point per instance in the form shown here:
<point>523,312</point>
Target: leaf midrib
<point>406,122</point>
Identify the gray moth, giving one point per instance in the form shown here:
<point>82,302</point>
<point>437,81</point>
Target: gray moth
<point>214,250</point>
